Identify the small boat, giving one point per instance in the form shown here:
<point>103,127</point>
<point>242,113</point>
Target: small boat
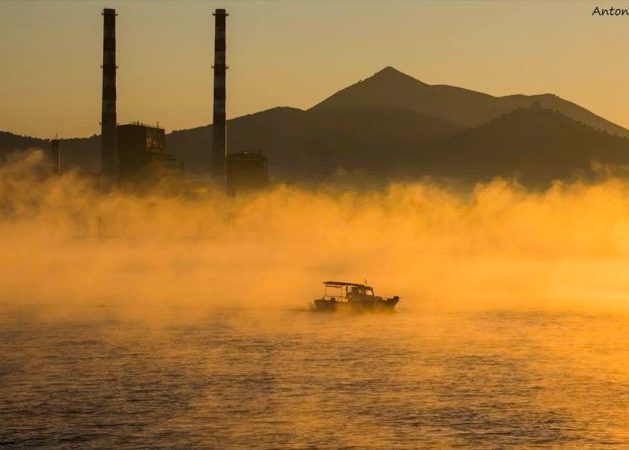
<point>339,295</point>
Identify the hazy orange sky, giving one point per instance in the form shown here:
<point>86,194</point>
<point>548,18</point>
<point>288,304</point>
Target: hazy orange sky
<point>295,53</point>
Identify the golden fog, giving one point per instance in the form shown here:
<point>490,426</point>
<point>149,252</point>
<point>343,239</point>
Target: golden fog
<point>496,246</point>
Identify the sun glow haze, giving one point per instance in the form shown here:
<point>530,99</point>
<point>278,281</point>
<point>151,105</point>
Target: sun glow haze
<point>136,316</point>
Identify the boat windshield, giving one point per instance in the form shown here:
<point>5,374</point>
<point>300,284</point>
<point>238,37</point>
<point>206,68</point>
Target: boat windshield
<point>341,289</point>
<point>335,291</point>
<point>362,290</point>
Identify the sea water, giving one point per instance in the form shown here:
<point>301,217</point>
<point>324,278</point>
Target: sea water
<point>297,379</point>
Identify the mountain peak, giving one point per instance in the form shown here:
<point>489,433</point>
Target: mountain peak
<point>391,88</point>
<point>388,70</point>
<point>386,84</point>
<point>392,74</point>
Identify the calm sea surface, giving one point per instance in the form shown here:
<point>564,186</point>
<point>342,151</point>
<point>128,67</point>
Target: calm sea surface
<point>296,379</point>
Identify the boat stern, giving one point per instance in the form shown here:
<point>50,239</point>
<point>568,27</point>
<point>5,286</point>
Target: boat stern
<point>324,305</point>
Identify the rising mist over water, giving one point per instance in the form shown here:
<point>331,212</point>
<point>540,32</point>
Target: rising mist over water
<point>183,321</point>
<point>496,245</point>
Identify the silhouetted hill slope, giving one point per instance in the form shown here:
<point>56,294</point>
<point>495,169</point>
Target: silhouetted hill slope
<point>392,126</point>
<point>77,153</point>
<point>369,138</point>
<point>10,142</point>
<point>390,87</point>
<point>536,144</point>
<point>311,144</point>
<point>273,132</point>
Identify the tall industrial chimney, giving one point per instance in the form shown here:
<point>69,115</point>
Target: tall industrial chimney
<point>109,153</point>
<point>55,156</point>
<point>219,137</point>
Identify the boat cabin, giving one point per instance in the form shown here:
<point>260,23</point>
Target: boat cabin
<point>340,290</point>
<point>352,296</point>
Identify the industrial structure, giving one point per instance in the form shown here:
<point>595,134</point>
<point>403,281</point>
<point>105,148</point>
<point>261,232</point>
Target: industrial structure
<point>109,157</point>
<point>219,132</point>
<point>55,156</point>
<point>236,172</point>
<point>246,171</point>
<point>143,162</point>
<point>134,156</point>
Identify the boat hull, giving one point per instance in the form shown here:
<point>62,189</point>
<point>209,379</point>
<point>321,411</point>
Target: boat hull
<point>376,305</point>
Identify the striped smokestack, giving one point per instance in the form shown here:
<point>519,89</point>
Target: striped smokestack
<point>219,136</point>
<point>108,155</point>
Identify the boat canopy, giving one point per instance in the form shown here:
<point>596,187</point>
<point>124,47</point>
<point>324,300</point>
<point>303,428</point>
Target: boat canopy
<point>344,284</point>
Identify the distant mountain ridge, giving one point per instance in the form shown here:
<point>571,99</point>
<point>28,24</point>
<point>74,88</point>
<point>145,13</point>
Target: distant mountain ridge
<point>392,126</point>
<point>535,144</point>
<point>469,108</point>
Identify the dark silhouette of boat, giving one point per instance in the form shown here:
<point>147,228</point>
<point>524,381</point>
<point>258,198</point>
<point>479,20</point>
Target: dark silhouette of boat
<point>339,295</point>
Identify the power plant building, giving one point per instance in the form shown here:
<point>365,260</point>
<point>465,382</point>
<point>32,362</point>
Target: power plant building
<point>143,161</point>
